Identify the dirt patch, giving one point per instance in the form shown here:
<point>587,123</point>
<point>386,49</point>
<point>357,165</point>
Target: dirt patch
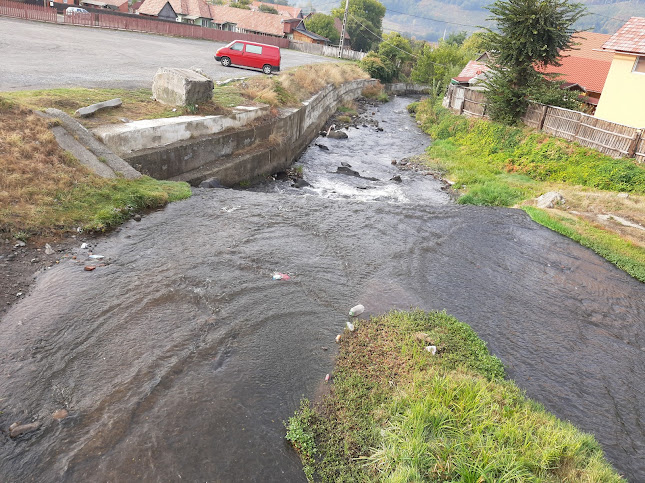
<point>20,265</point>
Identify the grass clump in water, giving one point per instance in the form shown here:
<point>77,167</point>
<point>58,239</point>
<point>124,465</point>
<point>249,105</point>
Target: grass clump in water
<point>396,412</point>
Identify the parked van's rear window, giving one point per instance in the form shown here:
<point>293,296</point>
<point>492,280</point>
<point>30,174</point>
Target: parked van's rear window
<point>253,49</point>
<point>237,46</point>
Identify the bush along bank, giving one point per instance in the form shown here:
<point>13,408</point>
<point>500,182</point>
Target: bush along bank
<point>498,165</point>
<point>399,410</point>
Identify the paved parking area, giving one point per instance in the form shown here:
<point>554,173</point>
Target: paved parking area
<point>36,55</point>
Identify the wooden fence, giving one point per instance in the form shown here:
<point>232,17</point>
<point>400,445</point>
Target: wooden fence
<point>613,139</point>
<point>27,11</point>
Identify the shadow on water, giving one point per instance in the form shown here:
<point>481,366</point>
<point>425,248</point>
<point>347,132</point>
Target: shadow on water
<point>180,359</point>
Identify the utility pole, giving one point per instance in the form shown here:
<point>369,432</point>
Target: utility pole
<point>342,33</point>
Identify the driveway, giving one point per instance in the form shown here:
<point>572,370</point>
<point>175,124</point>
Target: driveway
<point>35,55</point>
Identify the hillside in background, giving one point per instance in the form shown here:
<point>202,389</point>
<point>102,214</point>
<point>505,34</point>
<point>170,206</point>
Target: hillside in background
<point>422,18</point>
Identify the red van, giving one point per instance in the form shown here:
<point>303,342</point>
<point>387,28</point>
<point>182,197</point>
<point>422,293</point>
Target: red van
<point>250,54</point>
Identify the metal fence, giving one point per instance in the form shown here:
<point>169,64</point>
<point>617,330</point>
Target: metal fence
<point>613,139</point>
<point>27,11</point>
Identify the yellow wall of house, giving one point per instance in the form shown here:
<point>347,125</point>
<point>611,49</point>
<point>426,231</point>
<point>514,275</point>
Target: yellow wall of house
<point>623,97</point>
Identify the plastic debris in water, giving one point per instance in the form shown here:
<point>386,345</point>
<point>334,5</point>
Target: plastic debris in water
<point>280,276</point>
<point>97,257</point>
<point>432,349</point>
<point>350,326</point>
<point>327,378</point>
<point>338,338</point>
<point>83,246</point>
<point>356,310</point>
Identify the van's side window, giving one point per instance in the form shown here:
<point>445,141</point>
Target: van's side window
<point>253,49</point>
<point>238,46</point>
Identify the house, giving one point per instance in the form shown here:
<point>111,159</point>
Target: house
<point>195,12</point>
<point>338,25</point>
<point>469,74</point>
<point>285,11</point>
<point>585,67</point>
<point>246,21</point>
<point>301,34</point>
<point>623,98</point>
<point>119,5</point>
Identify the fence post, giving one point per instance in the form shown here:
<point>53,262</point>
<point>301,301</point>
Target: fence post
<point>540,125</point>
<point>631,150</point>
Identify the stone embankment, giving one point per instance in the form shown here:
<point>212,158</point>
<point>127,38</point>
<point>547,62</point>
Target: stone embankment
<point>193,150</point>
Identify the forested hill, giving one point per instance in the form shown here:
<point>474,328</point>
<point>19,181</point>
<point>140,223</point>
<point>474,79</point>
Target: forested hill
<point>414,16</point>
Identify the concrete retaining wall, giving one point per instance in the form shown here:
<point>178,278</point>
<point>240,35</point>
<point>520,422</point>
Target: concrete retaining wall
<point>402,89</point>
<point>154,133</point>
<point>266,149</point>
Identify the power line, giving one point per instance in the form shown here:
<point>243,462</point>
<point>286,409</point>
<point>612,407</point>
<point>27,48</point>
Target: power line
<point>433,19</point>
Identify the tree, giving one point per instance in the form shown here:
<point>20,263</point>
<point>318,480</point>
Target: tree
<point>436,65</point>
<point>364,23</point>
<point>268,9</point>
<point>398,51</point>
<point>322,24</point>
<point>530,34</point>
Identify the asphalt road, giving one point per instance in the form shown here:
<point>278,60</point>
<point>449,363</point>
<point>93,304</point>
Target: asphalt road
<point>35,55</point>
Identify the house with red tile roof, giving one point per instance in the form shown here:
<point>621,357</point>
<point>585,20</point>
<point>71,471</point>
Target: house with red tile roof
<point>285,11</point>
<point>623,97</point>
<point>194,12</point>
<point>246,21</point>
<point>119,5</point>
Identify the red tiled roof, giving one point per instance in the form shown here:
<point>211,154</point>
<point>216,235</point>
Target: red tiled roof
<point>472,69</point>
<point>588,73</point>
<point>190,8</point>
<point>283,10</point>
<point>590,45</point>
<point>266,23</point>
<point>629,38</point>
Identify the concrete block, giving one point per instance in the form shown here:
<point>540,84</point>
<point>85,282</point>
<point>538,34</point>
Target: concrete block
<point>181,87</point>
<point>94,108</point>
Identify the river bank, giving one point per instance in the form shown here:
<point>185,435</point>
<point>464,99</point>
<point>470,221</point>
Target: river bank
<point>594,199</point>
<point>416,396</point>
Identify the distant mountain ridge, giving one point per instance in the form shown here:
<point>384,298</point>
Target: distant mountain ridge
<point>413,17</point>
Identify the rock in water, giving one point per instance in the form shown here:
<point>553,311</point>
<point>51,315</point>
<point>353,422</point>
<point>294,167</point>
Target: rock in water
<point>25,428</point>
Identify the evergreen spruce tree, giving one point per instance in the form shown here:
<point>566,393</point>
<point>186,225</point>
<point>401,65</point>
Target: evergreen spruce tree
<point>530,35</point>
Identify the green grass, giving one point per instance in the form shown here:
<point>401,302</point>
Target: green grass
<point>479,152</point>
<point>397,413</point>
<point>622,253</point>
<point>229,96</point>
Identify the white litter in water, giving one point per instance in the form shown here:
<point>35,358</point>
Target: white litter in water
<point>83,246</point>
<point>97,257</point>
<point>432,349</point>
<point>338,338</point>
<point>350,326</point>
<point>356,310</point>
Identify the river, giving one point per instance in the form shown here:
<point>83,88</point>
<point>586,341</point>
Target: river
<point>180,359</point>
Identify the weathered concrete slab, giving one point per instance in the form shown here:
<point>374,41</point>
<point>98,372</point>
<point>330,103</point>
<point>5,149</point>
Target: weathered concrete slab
<point>181,87</point>
<point>85,157</point>
<point>99,106</point>
<point>99,150</point>
<point>154,133</point>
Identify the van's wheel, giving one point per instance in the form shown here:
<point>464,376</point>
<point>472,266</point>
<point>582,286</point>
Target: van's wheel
<point>226,61</point>
<point>266,68</point>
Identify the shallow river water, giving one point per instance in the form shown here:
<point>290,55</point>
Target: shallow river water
<point>180,359</point>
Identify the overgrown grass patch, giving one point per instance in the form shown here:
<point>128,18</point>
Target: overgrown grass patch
<point>622,253</point>
<point>396,412</point>
<point>45,191</point>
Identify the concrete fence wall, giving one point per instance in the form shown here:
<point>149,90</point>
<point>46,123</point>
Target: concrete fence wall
<point>326,50</point>
<point>249,152</point>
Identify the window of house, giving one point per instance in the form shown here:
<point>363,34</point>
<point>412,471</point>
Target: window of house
<point>253,49</point>
<point>238,46</point>
<point>639,65</point>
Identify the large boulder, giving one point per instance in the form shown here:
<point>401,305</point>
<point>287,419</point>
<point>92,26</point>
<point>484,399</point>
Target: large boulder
<point>181,87</point>
<point>550,200</point>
